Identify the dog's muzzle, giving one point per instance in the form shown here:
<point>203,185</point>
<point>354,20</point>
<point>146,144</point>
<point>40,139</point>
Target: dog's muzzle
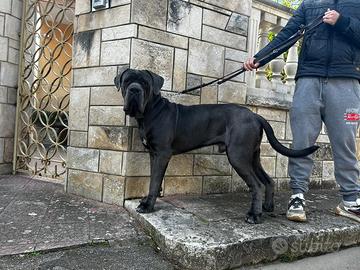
<point>134,100</point>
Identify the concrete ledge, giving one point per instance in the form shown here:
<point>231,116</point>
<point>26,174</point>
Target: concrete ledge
<point>209,232</point>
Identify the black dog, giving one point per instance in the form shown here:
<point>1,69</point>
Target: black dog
<point>168,129</point>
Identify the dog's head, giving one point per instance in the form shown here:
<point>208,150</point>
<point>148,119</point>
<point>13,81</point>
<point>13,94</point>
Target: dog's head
<point>138,87</point>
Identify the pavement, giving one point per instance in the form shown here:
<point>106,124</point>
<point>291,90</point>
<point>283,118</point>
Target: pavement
<point>41,227</point>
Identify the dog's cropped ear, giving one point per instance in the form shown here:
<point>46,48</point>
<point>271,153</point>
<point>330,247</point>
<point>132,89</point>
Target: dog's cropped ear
<point>118,78</point>
<point>158,82</point>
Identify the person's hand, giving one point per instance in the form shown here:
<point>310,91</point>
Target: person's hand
<point>249,65</point>
<point>331,17</point>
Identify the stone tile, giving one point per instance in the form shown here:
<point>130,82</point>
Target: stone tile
<point>105,96</point>
<point>185,19</point>
<point>184,99</point>
<point>232,92</point>
<point>328,170</point>
<point>201,3</point>
<point>162,37</point>
<point>180,165</point>
<point>317,169</point>
<point>211,165</point>
<point>12,96</point>
<point>107,115</point>
<point>268,163</point>
<point>231,66</point>
<point>209,93</point>
<point>154,57</point>
<point>114,187</point>
<point>3,94</point>
<point>136,187</point>
<point>82,6</point>
<point>115,3</point>
<point>9,74</point>
<point>2,147</point>
<point>221,37</point>
<point>9,150</point>
<point>83,159</point>
<point>110,162</point>
<point>16,8</point>
<point>94,76</point>
<point>104,18</point>
<point>217,184</point>
<point>4,46</point>
<point>119,32</point>
<point>279,129</point>
<point>236,55</point>
<point>110,138</point>
<point>271,114</point>
<point>193,80</point>
<point>267,150</point>
<point>78,138</point>
<point>5,6</point>
<point>288,128</point>
<point>13,56</point>
<point>182,185</point>
<point>238,24</point>
<point>7,120</point>
<point>136,144</point>
<point>281,166</point>
<point>215,19</point>
<point>136,164</point>
<point>12,27</point>
<point>151,13</point>
<point>85,184</point>
<point>2,23</point>
<point>238,184</point>
<point>121,55</point>
<point>200,62</point>
<point>86,52</point>
<point>180,65</point>
<point>79,108</point>
<point>243,7</point>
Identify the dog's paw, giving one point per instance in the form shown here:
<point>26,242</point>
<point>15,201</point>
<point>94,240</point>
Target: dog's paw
<point>253,218</point>
<point>268,207</point>
<point>144,207</point>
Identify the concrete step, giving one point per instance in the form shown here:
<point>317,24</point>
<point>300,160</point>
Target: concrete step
<point>209,232</point>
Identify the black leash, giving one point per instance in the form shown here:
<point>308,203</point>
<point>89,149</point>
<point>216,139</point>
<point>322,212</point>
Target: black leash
<point>267,56</point>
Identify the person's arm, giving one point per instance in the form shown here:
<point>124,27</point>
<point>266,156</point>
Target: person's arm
<point>349,27</point>
<point>290,29</point>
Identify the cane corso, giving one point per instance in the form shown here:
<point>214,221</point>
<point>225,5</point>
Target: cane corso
<point>168,129</point>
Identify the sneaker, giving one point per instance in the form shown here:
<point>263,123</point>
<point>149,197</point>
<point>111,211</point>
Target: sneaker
<point>296,211</point>
<point>349,210</point>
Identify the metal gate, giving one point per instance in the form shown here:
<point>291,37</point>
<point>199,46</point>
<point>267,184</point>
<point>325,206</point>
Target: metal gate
<point>44,87</point>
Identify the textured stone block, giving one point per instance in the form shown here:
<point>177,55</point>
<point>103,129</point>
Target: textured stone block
<point>108,95</point>
<point>12,27</point>
<point>110,162</point>
<point>86,50</point>
<point>243,7</point>
<point>221,37</point>
<point>110,138</point>
<point>271,114</point>
<point>281,166</point>
<point>232,92</point>
<point>7,120</point>
<point>238,24</point>
<point>78,138</point>
<point>12,96</point>
<point>215,19</point>
<point>114,187</point>
<point>83,159</point>
<point>185,19</point>
<point>115,3</point>
<point>154,57</point>
<point>182,185</point>
<point>104,18</point>
<point>13,56</point>
<point>236,55</point>
<point>279,129</point>
<point>2,24</point>
<point>200,62</point>
<point>4,46</point>
<point>217,184</point>
<point>82,6</point>
<point>94,76</point>
<point>136,144</point>
<point>162,37</point>
<point>9,74</point>
<point>193,80</point>
<point>238,184</point>
<point>268,163</point>
<point>317,169</point>
<point>231,66</point>
<point>324,153</point>
<point>85,184</point>
<point>8,150</point>
<point>149,12</point>
<point>2,147</point>
<point>328,170</point>
<point>5,169</point>
<point>182,99</point>
<point>115,52</point>
<point>267,150</point>
<point>288,128</point>
<point>119,32</point>
<point>16,8</point>
<point>209,93</point>
<point>136,187</point>
<point>3,94</point>
<point>107,115</point>
<point>180,165</point>
<point>136,164</point>
<point>5,6</point>
<point>180,64</point>
<point>79,108</point>
<point>211,165</point>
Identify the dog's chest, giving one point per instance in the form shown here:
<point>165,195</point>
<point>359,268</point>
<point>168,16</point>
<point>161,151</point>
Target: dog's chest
<point>143,139</point>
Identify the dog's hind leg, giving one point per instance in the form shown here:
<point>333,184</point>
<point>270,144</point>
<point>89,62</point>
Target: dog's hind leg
<point>242,163</point>
<point>268,205</point>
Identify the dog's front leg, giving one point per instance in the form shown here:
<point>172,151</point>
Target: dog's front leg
<point>158,164</point>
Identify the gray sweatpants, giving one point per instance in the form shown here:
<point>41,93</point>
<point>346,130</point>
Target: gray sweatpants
<point>336,102</point>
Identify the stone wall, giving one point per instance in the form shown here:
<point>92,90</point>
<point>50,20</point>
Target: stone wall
<point>10,25</point>
<point>186,42</point>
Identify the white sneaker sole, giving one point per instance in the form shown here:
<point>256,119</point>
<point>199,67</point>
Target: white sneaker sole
<point>341,212</point>
<point>296,217</point>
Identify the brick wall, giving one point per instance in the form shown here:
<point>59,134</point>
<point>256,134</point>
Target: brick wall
<point>10,24</point>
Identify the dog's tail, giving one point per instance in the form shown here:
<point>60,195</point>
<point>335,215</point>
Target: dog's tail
<point>281,148</point>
